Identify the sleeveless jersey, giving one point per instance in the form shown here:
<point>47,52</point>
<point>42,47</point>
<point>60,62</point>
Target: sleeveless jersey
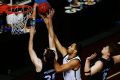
<point>71,74</point>
<point>47,73</point>
<point>107,64</point>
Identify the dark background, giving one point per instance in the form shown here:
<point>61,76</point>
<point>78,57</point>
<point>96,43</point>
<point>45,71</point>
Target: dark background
<point>90,21</point>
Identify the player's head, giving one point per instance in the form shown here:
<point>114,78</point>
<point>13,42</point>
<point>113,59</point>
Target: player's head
<point>74,48</point>
<point>49,56</point>
<point>43,8</point>
<point>111,49</point>
<point>114,49</point>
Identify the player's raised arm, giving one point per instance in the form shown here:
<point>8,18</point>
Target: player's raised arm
<point>35,60</point>
<point>49,25</point>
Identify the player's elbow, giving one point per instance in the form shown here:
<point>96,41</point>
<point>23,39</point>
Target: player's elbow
<point>38,68</point>
<point>58,67</point>
<point>58,70</point>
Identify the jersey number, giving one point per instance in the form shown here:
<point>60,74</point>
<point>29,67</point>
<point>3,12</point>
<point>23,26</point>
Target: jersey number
<point>50,77</point>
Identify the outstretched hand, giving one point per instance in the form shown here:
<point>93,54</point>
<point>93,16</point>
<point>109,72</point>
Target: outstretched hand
<point>48,18</point>
<point>91,57</point>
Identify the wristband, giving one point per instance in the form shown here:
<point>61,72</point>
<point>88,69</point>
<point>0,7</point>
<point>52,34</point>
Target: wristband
<point>31,22</point>
<point>88,71</point>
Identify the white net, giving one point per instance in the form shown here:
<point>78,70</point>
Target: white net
<point>17,17</point>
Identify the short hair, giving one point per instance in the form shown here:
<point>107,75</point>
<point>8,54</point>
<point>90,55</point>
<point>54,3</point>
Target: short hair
<point>49,56</point>
<point>114,49</point>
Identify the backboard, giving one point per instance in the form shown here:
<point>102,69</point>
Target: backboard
<point>15,2</point>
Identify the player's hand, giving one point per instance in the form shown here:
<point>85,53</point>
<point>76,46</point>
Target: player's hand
<point>45,19</point>
<point>91,57</point>
<point>48,18</point>
<point>51,13</point>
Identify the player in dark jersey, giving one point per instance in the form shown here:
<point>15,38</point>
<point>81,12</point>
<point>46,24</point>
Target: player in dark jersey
<point>44,67</point>
<point>47,72</point>
<point>99,71</point>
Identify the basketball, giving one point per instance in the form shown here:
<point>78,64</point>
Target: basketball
<point>44,8</point>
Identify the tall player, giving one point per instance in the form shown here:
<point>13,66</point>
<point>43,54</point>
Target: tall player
<point>44,67</point>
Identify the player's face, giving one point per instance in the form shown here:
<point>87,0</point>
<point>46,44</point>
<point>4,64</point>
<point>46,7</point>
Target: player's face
<point>105,50</point>
<point>71,48</point>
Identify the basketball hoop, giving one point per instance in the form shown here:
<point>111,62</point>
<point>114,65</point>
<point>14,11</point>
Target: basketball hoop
<point>17,16</point>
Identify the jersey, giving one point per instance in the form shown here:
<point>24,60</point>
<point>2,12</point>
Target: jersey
<point>47,73</point>
<point>40,1</point>
<point>107,64</point>
<point>71,74</point>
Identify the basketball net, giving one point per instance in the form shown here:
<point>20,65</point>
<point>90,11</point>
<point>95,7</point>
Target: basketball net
<point>17,17</point>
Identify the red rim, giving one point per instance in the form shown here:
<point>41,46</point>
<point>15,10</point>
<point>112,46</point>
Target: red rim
<point>3,8</point>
